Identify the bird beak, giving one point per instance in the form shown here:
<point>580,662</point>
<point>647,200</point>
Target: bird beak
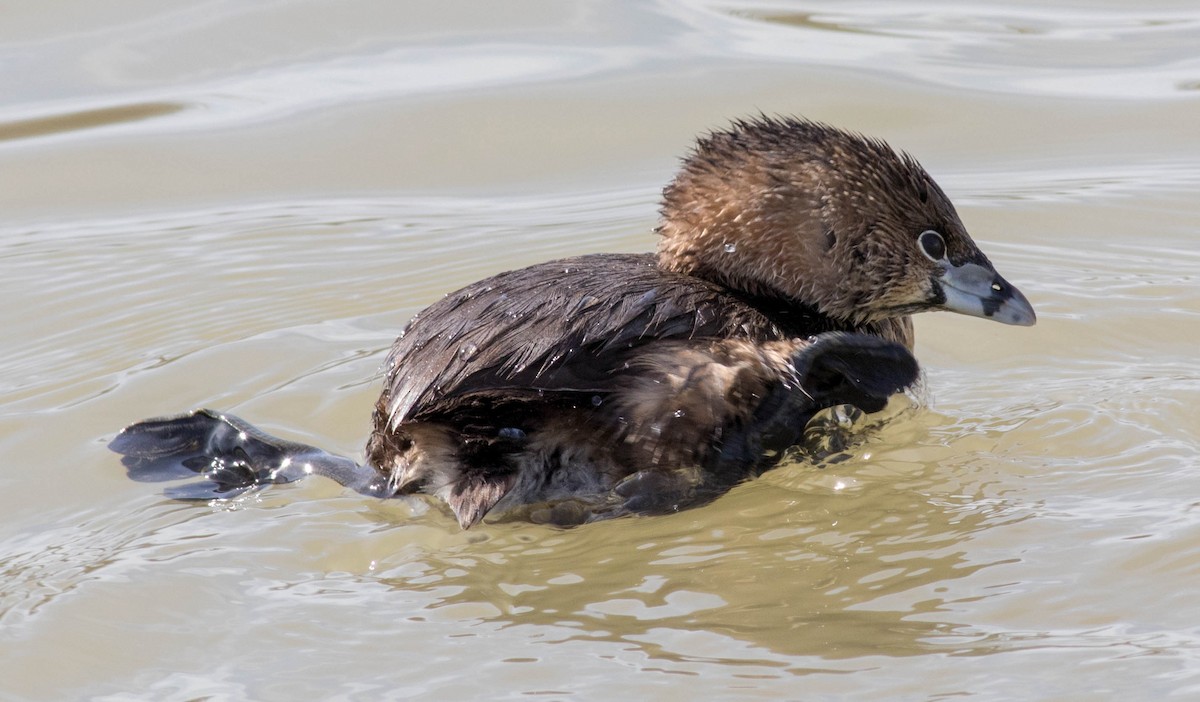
<point>980,292</point>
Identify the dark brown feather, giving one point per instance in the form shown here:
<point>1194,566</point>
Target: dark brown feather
<point>562,326</point>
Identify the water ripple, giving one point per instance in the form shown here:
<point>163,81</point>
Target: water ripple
<point>1114,54</point>
<point>274,92</point>
<point>232,252</point>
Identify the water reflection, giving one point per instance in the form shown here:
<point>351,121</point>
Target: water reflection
<point>85,119</point>
<point>275,92</point>
<point>1116,54</point>
<point>842,575</point>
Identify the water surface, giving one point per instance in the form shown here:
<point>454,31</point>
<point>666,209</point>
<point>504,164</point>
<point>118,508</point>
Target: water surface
<point>239,205</point>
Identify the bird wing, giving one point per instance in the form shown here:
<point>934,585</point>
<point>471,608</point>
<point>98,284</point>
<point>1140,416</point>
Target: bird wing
<point>564,326</point>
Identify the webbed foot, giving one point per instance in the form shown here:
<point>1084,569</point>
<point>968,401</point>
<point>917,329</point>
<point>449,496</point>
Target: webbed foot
<point>228,455</point>
<point>838,368</point>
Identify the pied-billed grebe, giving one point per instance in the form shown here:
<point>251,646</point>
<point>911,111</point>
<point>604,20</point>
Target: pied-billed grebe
<point>790,257</point>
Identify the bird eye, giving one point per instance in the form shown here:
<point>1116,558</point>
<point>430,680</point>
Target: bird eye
<point>932,245</point>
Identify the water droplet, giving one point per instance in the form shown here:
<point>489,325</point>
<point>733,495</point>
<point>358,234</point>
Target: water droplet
<point>467,351</point>
<point>730,248</point>
<point>679,413</point>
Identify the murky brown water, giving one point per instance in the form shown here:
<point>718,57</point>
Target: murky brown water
<point>238,205</point>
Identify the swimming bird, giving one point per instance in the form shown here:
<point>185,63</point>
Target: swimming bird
<point>790,257</point>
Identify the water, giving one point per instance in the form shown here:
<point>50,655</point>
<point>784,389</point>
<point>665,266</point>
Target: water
<point>239,205</point>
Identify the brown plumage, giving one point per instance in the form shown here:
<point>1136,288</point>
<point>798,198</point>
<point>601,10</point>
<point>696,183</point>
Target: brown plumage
<point>790,256</point>
<point>805,212</point>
